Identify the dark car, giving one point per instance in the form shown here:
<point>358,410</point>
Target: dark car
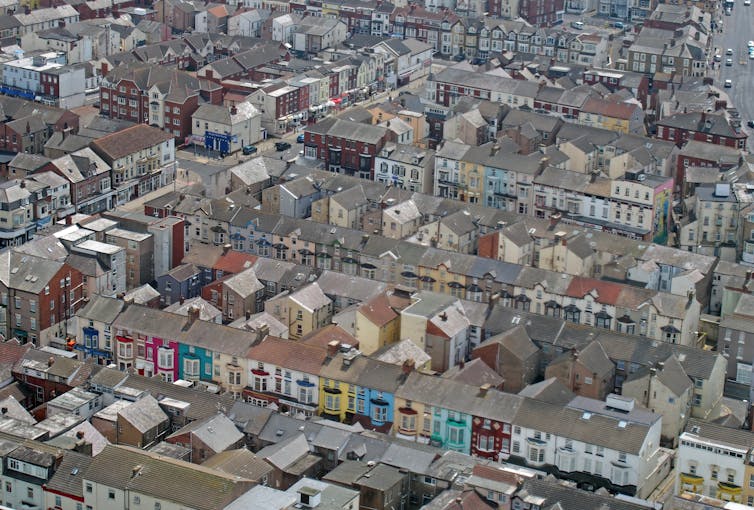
<point>282,146</point>
<point>459,58</point>
<point>300,138</point>
<point>750,123</point>
<point>249,149</point>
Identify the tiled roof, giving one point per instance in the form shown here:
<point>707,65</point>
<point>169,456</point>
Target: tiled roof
<point>163,478</point>
<point>129,141</point>
<point>288,353</point>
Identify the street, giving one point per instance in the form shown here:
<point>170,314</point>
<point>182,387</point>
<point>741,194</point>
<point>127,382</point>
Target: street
<point>738,30</point>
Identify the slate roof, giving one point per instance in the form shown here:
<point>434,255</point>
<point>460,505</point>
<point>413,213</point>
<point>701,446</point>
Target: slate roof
<point>144,414</point>
<point>241,463</point>
<point>218,432</point>
<point>69,476</point>
<point>182,483</point>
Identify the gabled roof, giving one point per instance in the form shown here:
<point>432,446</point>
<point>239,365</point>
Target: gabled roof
<point>144,414</point>
<point>163,478</point>
<point>218,432</point>
<point>129,141</point>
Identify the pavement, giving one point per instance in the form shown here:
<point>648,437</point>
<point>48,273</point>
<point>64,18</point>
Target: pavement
<point>738,29</point>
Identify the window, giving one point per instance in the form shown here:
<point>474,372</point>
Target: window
<point>165,358</point>
<point>30,492</point>
<point>455,435</point>
<point>486,443</point>
<point>379,413</point>
<point>110,494</point>
<point>191,367</point>
<point>536,454</point>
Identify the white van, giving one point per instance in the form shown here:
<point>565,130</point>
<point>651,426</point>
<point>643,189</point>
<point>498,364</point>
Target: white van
<point>578,25</point>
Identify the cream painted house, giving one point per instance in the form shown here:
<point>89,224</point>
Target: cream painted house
<point>666,389</point>
<point>401,220</point>
<point>241,124</point>
<point>304,311</point>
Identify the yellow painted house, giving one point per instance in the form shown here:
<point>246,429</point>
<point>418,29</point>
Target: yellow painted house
<point>377,324</point>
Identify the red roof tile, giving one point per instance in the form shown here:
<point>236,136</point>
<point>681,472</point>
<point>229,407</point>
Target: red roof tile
<point>290,354</point>
<point>378,310</point>
<point>324,336</point>
<point>234,262</point>
<point>607,292</point>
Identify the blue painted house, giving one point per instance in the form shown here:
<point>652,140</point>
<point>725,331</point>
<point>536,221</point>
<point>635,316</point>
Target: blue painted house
<point>94,334</point>
<point>181,282</point>
<point>434,412</point>
<point>365,390</point>
<point>195,363</point>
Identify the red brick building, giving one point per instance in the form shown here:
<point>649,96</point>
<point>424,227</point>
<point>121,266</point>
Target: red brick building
<point>346,147</point>
<point>542,13</point>
<point>155,95</point>
<point>702,127</point>
<point>40,295</point>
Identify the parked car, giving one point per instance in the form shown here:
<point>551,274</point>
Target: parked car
<point>728,84</point>
<point>249,149</point>
<point>728,61</point>
<point>750,123</point>
<point>578,25</point>
<point>282,146</point>
<point>729,51</point>
<point>619,24</point>
<point>300,138</point>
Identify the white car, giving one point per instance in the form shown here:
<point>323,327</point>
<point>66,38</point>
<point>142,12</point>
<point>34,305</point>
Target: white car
<point>728,84</point>
<point>750,44</point>
<point>747,2</point>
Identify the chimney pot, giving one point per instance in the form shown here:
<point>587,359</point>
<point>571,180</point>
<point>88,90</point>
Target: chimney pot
<point>408,366</point>
<point>332,348</point>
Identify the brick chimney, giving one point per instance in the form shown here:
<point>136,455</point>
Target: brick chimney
<point>332,348</point>
<point>193,315</point>
<point>408,366</point>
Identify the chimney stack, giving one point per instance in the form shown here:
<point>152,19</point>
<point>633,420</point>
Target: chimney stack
<point>262,333</point>
<point>484,388</point>
<point>50,361</point>
<point>443,316</point>
<point>332,348</point>
<point>408,366</point>
<point>554,219</point>
<point>233,110</point>
<point>193,314</point>
<point>226,248</point>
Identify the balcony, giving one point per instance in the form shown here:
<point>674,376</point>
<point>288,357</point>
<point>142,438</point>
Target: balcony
<point>501,193</point>
<point>692,483</point>
<point>729,491</point>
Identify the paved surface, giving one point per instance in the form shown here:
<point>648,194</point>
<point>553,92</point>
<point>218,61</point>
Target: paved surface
<point>738,29</point>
